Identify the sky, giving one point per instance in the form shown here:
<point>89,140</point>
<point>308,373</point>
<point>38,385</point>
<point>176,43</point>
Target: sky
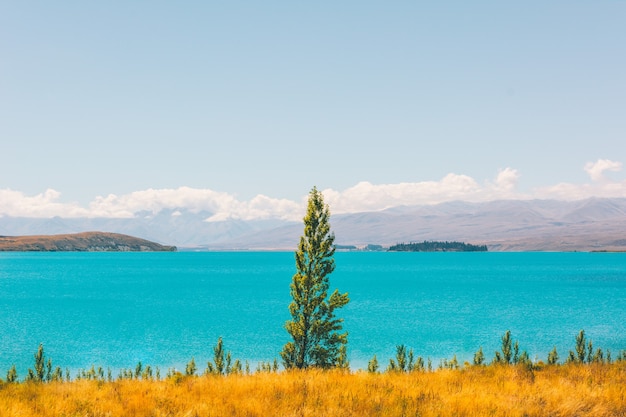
<point>241,107</point>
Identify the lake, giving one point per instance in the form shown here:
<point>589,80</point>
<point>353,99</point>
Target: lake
<point>116,309</point>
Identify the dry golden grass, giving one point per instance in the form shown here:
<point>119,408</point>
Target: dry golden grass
<point>570,390</point>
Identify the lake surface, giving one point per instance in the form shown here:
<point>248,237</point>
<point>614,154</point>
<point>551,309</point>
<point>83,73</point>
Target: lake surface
<point>115,309</point>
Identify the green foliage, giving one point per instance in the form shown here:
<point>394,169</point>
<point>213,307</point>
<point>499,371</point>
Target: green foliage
<point>598,356</point>
<point>237,368</point>
<point>175,376</point>
<point>57,375</point>
<point>314,328</point>
<point>190,369</point>
<point>222,361</point>
<point>372,365</point>
<point>419,364</point>
<point>342,358</point>
<point>509,353</point>
<point>39,374</point>
<point>126,374</point>
<point>433,246</point>
<point>589,352</point>
<point>267,366</point>
<point>404,360</point>
<point>449,364</point>
<point>12,375</point>
<point>138,370</point>
<point>516,357</point>
<point>524,359</point>
<point>581,347</point>
<point>581,354</point>
<point>506,348</point>
<point>97,375</point>
<point>553,357</point>
<point>147,373</point>
<point>479,357</point>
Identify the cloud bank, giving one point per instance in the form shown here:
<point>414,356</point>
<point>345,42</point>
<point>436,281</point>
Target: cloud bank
<point>364,196</point>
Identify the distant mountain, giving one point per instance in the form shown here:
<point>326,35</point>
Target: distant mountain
<point>507,225</point>
<point>81,242</point>
<point>515,225</point>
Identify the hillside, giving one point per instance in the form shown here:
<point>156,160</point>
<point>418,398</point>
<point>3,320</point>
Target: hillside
<point>81,242</point>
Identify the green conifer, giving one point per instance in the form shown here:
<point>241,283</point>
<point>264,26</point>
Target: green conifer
<point>314,328</point>
<point>553,357</point>
<point>12,375</point>
<point>190,369</point>
<point>372,365</point>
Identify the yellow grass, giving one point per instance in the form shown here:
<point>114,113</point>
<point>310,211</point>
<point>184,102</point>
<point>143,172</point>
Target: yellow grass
<point>570,390</point>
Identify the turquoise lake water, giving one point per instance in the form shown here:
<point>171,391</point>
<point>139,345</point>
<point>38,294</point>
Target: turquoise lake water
<point>115,309</point>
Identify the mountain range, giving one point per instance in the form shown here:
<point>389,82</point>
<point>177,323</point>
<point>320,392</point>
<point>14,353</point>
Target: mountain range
<point>508,225</point>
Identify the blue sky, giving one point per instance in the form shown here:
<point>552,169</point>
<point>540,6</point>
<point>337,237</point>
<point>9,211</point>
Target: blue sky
<point>113,105</point>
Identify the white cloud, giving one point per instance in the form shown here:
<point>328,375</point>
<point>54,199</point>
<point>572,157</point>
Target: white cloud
<point>507,179</point>
<point>192,199</point>
<point>260,207</point>
<point>596,169</point>
<point>223,206</point>
<point>364,196</point>
<point>17,204</point>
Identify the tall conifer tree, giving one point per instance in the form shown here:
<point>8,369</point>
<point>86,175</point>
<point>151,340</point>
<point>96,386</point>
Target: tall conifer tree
<point>316,331</point>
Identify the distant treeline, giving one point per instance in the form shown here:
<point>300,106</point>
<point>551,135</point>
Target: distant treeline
<point>433,246</point>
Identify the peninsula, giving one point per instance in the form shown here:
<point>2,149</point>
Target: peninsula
<point>81,242</point>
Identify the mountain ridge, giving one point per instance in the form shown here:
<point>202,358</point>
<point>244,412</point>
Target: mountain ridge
<point>503,225</point>
<point>80,242</point>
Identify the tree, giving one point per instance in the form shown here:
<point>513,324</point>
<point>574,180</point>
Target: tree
<point>315,329</point>
<point>581,348</point>
<point>222,361</point>
<point>39,374</point>
<point>138,369</point>
<point>12,375</point>
<point>479,357</point>
<point>510,351</point>
<point>372,365</point>
<point>191,368</point>
<point>403,362</point>
<point>553,357</point>
<point>506,347</point>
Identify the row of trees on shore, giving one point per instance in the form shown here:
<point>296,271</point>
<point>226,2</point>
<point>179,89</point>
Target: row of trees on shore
<point>404,361</point>
<point>435,246</point>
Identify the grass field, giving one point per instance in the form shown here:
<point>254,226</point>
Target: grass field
<point>596,389</point>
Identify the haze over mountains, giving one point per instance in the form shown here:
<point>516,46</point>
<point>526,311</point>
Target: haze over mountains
<point>506,225</point>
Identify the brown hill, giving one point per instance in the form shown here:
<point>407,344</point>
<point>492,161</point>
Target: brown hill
<point>81,242</point>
